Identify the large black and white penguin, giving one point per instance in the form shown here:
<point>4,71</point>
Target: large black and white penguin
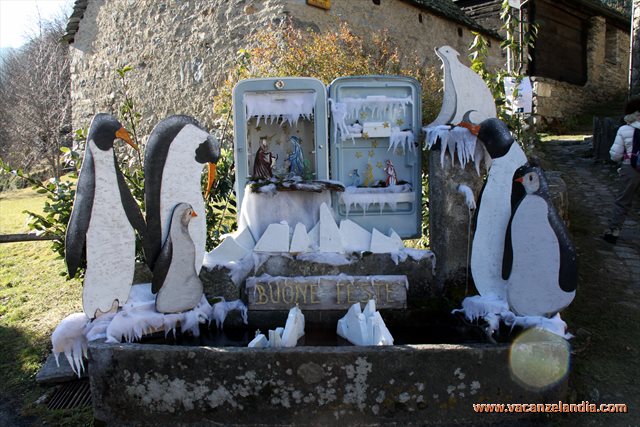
<point>102,221</point>
<point>175,279</point>
<point>494,207</point>
<point>176,151</point>
<point>539,258</point>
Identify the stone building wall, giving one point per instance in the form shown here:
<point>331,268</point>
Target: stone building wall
<point>181,50</point>
<point>607,74</point>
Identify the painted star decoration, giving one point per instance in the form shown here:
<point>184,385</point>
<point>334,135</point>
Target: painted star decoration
<point>374,144</point>
<point>371,153</point>
<point>379,165</point>
<point>358,154</point>
<point>399,122</point>
<point>385,124</point>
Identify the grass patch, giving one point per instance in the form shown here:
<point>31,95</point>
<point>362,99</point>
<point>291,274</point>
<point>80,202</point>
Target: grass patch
<point>12,205</point>
<point>34,297</point>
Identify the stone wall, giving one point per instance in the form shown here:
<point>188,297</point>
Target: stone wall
<point>182,50</point>
<point>607,74</point>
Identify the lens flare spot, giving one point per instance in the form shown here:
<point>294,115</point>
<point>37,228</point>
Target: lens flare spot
<point>539,359</point>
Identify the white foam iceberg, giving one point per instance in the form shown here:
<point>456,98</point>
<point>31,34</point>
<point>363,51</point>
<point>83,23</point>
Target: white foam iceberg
<point>364,327</point>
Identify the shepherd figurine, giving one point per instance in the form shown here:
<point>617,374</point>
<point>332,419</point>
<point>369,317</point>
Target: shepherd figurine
<point>390,170</point>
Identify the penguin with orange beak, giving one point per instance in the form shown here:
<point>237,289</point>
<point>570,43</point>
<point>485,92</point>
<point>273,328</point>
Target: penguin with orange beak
<point>176,151</point>
<point>175,279</point>
<point>539,262</point>
<point>103,222</point>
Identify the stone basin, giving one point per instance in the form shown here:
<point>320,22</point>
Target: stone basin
<point>426,384</point>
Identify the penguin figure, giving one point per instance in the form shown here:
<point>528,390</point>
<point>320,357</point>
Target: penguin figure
<point>540,259</point>
<point>175,278</point>
<point>176,151</point>
<point>102,221</point>
<point>494,207</point>
<point>464,91</point>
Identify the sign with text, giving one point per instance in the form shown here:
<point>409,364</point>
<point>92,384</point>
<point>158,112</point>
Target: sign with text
<point>322,4</point>
<point>325,292</point>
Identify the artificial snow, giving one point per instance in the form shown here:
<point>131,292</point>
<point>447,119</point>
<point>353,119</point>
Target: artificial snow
<point>273,106</point>
<point>493,309</point>
<point>364,328</point>
<point>364,197</point>
<point>136,318</point>
<point>328,258</point>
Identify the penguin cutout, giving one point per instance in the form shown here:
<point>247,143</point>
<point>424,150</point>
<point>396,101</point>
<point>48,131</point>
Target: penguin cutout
<point>464,92</point>
<point>540,259</point>
<point>102,222</point>
<point>177,149</point>
<point>494,208</point>
<point>175,278</point>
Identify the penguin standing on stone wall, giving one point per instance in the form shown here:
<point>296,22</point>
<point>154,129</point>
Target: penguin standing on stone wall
<point>175,278</point>
<point>539,257</point>
<point>176,151</point>
<point>103,221</point>
<point>494,207</point>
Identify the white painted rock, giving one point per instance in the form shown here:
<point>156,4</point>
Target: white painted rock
<point>364,328</point>
<point>330,240</point>
<point>227,251</point>
<point>245,239</point>
<point>381,244</point>
<point>274,239</point>
<point>294,328</point>
<point>300,241</point>
<point>354,237</point>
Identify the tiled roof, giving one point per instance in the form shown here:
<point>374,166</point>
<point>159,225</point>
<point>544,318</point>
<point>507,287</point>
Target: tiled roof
<point>449,10</point>
<point>73,23</point>
<point>444,8</point>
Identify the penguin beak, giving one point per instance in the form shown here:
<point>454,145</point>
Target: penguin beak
<point>210,179</point>
<point>194,214</point>
<point>124,135</point>
<point>520,180</point>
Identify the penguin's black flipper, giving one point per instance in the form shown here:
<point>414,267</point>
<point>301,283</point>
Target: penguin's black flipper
<point>131,209</point>
<point>507,256</point>
<point>75,238</point>
<point>162,266</point>
<point>568,274</point>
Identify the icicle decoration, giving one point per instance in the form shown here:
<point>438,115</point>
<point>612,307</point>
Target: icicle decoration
<point>469,198</point>
<point>137,317</point>
<point>460,143</point>
<point>378,106</point>
<point>222,308</point>
<point>339,116</point>
<point>364,197</point>
<point>288,107</point>
<point>492,309</point>
<point>404,139</point>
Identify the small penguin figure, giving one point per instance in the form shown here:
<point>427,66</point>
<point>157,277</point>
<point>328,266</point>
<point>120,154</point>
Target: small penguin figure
<point>177,149</point>
<point>102,222</point>
<point>175,278</point>
<point>540,259</point>
<point>464,91</point>
<point>494,207</point>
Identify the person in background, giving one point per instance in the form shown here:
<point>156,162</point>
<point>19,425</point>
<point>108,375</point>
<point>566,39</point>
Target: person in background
<point>629,176</point>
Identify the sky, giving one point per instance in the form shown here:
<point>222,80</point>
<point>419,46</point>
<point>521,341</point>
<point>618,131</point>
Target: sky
<point>18,18</point>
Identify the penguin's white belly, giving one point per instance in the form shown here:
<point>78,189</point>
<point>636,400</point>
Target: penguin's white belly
<point>493,217</point>
<point>533,288</point>
<point>181,184</point>
<point>111,242</point>
<point>182,288</point>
